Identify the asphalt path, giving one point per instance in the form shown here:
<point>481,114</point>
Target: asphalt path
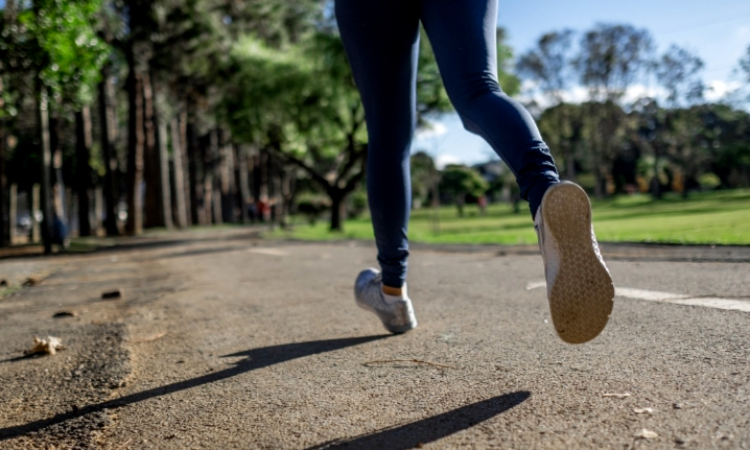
<point>222,341</point>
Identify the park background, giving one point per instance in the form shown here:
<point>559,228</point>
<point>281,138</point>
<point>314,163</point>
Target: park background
<point>123,116</point>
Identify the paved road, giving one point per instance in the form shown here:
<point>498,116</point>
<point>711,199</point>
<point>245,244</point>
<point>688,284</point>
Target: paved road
<point>224,341</point>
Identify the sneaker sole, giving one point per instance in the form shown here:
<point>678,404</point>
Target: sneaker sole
<point>395,330</point>
<point>581,297</point>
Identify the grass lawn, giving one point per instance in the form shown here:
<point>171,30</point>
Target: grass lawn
<point>721,217</point>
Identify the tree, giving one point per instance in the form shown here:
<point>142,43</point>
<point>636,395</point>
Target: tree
<point>302,105</point>
<point>549,66</point>
<point>54,41</point>
<point>611,58</point>
<point>190,66</point>
<point>562,126</point>
<point>654,137</point>
<point>424,178</point>
<point>671,130</point>
<point>460,181</point>
<point>677,72</point>
<point>745,64</point>
<point>725,135</point>
<point>744,67</point>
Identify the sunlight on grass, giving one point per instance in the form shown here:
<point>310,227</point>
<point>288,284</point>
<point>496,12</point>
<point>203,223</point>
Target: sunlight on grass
<point>721,217</point>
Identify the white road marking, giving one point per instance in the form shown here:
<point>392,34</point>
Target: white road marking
<point>269,251</point>
<point>718,303</point>
<point>652,296</point>
<point>536,285</point>
<point>670,297</point>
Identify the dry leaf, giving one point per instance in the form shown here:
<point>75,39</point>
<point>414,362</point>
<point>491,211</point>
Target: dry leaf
<point>49,345</point>
<point>647,434</point>
<point>623,395</point>
<point>153,337</point>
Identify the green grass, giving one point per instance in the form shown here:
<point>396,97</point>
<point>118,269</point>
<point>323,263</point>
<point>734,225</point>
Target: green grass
<point>720,217</point>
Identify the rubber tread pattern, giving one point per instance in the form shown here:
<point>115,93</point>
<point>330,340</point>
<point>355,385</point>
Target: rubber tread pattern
<point>581,294</point>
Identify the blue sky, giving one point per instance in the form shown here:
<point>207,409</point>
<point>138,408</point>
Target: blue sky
<point>718,31</point>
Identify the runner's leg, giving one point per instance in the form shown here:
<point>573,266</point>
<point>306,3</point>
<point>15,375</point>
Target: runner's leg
<point>382,40</point>
<point>463,36</point>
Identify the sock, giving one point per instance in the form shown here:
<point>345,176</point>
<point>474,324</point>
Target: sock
<point>388,290</point>
<point>390,299</point>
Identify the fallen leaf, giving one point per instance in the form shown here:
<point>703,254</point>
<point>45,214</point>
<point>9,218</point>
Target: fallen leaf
<point>153,337</point>
<point>49,345</point>
<point>643,410</point>
<point>614,395</point>
<point>647,434</point>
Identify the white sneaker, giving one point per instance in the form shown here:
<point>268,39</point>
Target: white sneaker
<point>397,316</point>
<point>579,287</point>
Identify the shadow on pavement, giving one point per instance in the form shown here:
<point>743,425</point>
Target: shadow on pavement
<point>17,358</point>
<point>254,359</point>
<point>431,429</point>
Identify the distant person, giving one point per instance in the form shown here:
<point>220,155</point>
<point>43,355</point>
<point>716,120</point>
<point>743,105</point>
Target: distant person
<point>382,41</point>
<point>252,211</point>
<point>482,204</point>
<point>263,209</point>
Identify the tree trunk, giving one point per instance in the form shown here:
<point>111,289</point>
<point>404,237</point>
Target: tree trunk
<point>46,166</point>
<point>12,213</point>
<point>178,164</point>
<point>212,207</point>
<point>164,181</point>
<point>228,184</point>
<point>597,169</point>
<point>35,206</point>
<point>157,201</point>
<point>5,226</point>
<point>106,121</point>
<point>183,140</point>
<point>460,200</point>
<point>98,211</point>
<point>261,176</point>
<point>134,223</point>
<point>153,214</point>
<point>60,199</point>
<point>83,169</point>
<point>287,195</point>
<point>197,212</point>
<point>4,236</point>
<point>244,190</point>
<point>338,201</point>
<point>655,181</point>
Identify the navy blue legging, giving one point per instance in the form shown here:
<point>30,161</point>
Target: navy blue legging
<point>382,42</point>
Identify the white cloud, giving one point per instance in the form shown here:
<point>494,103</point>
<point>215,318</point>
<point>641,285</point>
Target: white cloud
<point>717,89</point>
<point>444,159</point>
<point>638,91</point>
<point>579,94</point>
<point>432,130</point>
